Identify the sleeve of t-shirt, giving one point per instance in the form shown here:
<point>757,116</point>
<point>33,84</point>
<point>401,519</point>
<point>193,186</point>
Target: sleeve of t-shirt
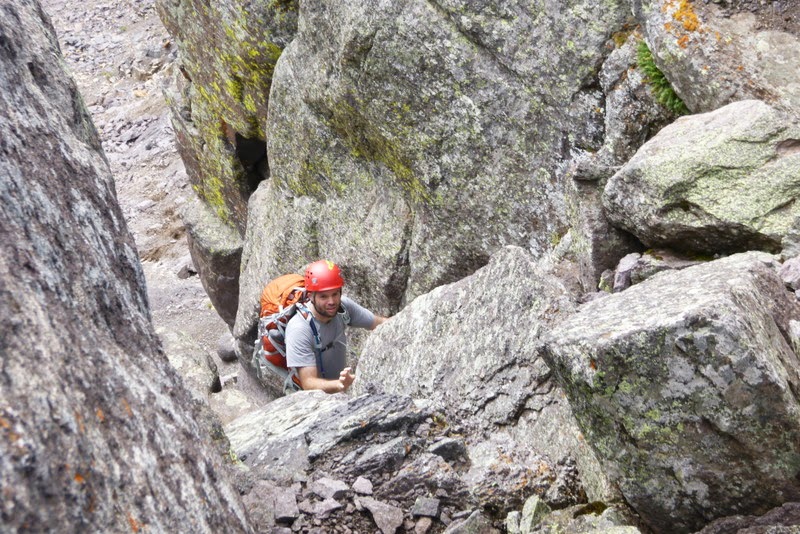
<point>299,343</point>
<point>360,317</point>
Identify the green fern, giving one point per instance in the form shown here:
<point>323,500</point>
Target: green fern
<point>663,91</point>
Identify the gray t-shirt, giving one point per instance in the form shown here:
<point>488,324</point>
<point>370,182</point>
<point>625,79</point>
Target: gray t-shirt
<point>300,339</point>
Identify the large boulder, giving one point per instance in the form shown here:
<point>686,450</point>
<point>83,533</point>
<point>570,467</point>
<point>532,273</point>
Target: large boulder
<point>228,50</point>
<point>686,385</point>
<point>472,348</point>
<point>421,138</point>
<point>715,53</point>
<point>333,450</point>
<point>97,431</point>
<point>723,181</point>
<point>216,251</point>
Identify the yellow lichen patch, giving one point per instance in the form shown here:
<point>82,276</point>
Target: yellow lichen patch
<point>683,41</point>
<point>100,415</point>
<point>686,16</point>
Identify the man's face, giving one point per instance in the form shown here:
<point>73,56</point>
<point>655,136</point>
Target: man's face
<point>327,302</point>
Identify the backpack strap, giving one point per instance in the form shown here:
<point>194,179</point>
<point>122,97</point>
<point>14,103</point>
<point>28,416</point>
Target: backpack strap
<point>308,316</point>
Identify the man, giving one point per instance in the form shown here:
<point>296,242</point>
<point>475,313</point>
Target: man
<point>331,312</point>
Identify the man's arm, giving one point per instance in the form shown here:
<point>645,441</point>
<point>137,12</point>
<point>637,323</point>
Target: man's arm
<point>310,379</point>
<point>378,320</point>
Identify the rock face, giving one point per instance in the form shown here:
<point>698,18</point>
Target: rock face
<point>687,387</point>
<point>723,181</point>
<point>408,141</point>
<point>98,432</point>
<point>216,251</point>
<point>327,451</point>
<point>472,347</point>
<point>717,54</point>
<point>228,51</point>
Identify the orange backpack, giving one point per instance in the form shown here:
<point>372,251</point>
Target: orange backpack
<point>280,301</point>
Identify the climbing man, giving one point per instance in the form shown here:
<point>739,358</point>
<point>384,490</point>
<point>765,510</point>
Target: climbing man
<point>317,349</point>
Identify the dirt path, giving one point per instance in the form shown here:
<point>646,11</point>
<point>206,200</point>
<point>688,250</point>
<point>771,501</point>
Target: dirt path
<point>121,56</point>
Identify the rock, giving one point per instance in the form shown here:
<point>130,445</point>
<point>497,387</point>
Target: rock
<point>451,449</point>
<point>474,524</point>
<point>499,478</point>
<point>423,525</point>
<point>594,517</point>
<point>622,277</point>
<point>719,182</point>
<point>427,474</point>
<point>533,512</point>
<point>279,441</point>
<point>199,372</point>
<point>387,518</point>
<point>385,457</point>
<point>484,383</point>
<point>791,241</point>
<point>632,116</point>
<point>634,268</point>
<point>286,509</point>
<point>94,420</point>
<point>216,251</point>
<point>713,59</point>
<point>785,518</point>
<point>425,506</point>
<point>512,522</point>
<point>187,269</point>
<point>790,273</point>
<point>664,373</point>
<point>362,486</point>
<point>219,104</point>
<point>226,349</point>
<point>324,508</point>
<point>426,176</point>
<point>328,488</point>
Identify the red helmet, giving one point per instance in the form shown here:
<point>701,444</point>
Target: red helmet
<point>323,275</point>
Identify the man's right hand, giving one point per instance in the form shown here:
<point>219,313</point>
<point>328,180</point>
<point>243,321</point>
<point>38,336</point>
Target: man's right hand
<point>346,378</point>
<point>310,379</point>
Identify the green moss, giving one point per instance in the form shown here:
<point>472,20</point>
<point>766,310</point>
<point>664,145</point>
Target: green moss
<point>365,141</point>
<point>662,89</point>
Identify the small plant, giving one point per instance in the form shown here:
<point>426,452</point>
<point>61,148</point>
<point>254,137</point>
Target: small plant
<point>663,91</point>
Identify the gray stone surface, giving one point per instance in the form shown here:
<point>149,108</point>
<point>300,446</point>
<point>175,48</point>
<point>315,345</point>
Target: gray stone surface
<point>724,181</point>
<point>384,457</point>
<point>476,523</point>
<point>405,151</point>
<point>286,509</point>
<point>425,506</point>
<point>280,441</point>
<point>664,375</point>
<point>228,51</point>
<point>714,57</point>
<point>451,449</point>
<point>594,518</point>
<point>784,519</point>
<point>362,486</point>
<point>226,347</point>
<point>635,268</point>
<point>790,273</point>
<point>329,488</point>
<point>440,348</point>
<point>97,430</point>
<point>533,512</point>
<point>216,251</point>
<point>388,518</point>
